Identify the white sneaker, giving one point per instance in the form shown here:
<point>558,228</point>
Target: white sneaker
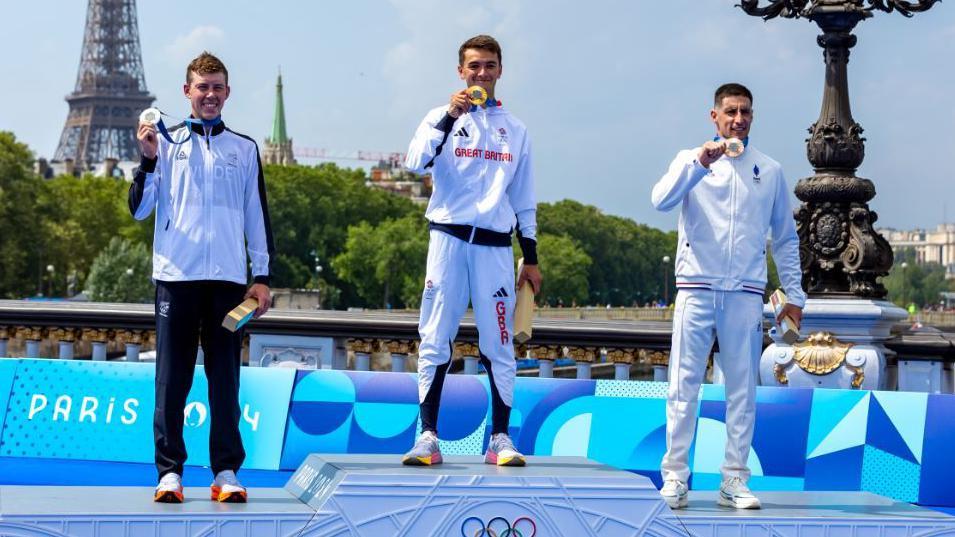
<point>501,451</point>
<point>675,493</point>
<point>734,493</point>
<point>169,489</point>
<point>227,489</point>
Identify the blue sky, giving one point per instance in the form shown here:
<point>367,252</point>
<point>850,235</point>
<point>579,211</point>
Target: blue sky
<point>610,90</point>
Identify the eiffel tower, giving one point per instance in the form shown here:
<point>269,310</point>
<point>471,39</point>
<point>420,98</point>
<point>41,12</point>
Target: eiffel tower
<point>110,89</point>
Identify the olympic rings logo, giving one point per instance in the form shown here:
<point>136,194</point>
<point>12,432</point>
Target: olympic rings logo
<point>498,527</point>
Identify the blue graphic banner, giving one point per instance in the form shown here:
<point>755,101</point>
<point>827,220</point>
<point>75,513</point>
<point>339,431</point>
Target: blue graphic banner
<point>104,411</point>
<point>891,443</point>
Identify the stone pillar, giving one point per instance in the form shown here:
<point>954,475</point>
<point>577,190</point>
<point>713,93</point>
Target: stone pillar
<point>99,337</point>
<point>660,363</point>
<point>622,360</point>
<point>471,355</point>
<point>840,346</point>
<point>400,350</point>
<point>65,338</point>
<point>4,339</point>
<point>545,359</point>
<point>32,335</point>
<point>585,357</point>
<point>362,349</point>
<point>133,340</point>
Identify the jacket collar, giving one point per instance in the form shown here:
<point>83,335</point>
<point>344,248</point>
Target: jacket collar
<point>217,126</point>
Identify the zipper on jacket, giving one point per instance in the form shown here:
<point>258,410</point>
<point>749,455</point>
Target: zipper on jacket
<point>732,242</point>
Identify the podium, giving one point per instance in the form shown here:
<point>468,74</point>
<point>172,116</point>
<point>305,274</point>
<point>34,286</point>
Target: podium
<point>375,496</point>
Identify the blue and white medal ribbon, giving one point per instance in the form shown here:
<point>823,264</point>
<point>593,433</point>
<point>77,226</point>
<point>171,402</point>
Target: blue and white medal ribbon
<point>153,116</point>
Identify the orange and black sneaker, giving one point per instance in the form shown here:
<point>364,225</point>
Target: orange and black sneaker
<point>169,489</point>
<point>227,489</point>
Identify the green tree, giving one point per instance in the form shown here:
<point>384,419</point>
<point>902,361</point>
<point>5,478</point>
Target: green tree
<point>909,282</point>
<point>564,266</point>
<point>386,263</point>
<point>21,241</point>
<point>311,210</point>
<point>81,215</point>
<point>627,257</point>
<point>121,273</point>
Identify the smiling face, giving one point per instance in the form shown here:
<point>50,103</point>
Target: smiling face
<point>733,117</point>
<point>207,93</point>
<point>480,68</point>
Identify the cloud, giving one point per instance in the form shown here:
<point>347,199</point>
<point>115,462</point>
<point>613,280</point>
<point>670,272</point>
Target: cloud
<point>185,47</point>
<point>426,54</point>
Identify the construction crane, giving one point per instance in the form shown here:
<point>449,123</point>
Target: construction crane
<point>394,160</point>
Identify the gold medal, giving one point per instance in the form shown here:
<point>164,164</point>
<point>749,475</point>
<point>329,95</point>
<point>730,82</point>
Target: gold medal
<point>477,95</point>
<point>150,116</point>
<point>734,147</point>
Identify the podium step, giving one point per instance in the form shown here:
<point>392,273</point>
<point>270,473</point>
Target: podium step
<point>375,496</point>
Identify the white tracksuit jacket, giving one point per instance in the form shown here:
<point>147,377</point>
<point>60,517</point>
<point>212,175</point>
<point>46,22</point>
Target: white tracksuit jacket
<point>209,198</point>
<point>726,215</point>
<point>482,178</point>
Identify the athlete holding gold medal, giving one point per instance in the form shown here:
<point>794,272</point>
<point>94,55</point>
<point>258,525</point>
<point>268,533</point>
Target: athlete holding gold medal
<point>480,158</point>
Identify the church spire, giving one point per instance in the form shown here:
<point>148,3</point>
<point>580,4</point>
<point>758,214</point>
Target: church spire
<point>278,148</point>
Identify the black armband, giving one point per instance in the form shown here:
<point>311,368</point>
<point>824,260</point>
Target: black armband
<point>529,248</point>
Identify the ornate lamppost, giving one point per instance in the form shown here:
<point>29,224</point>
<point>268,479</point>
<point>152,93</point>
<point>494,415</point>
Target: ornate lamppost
<point>842,255</point>
<point>841,252</point>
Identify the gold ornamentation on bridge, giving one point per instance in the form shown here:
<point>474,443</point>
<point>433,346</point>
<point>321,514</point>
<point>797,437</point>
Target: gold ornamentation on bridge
<point>365,346</point>
<point>131,337</point>
<point>467,350</point>
<point>31,333</point>
<point>66,335</point>
<point>654,357</point>
<point>583,354</point>
<point>821,353</point>
<point>97,335</point>
<point>546,352</point>
<point>858,375</point>
<point>4,332</point>
<point>620,356</point>
<point>779,371</point>
<point>396,346</point>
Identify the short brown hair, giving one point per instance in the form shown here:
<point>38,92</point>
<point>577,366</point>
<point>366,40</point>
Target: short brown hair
<point>206,64</point>
<point>732,89</point>
<point>481,42</point>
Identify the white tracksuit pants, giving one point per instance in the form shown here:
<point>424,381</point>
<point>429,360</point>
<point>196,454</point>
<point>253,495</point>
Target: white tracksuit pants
<point>458,272</point>
<point>735,318</point>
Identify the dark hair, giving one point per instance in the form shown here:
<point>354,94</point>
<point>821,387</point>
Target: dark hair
<point>731,90</point>
<point>482,42</point>
<point>206,64</point>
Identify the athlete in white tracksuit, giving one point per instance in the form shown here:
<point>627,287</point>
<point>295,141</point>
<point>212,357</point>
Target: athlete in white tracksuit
<point>480,160</point>
<point>728,207</point>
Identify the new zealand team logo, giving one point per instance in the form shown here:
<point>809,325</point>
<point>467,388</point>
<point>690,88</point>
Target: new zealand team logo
<point>756,174</point>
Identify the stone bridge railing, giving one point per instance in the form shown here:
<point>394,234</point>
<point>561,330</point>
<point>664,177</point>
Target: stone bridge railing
<point>584,348</point>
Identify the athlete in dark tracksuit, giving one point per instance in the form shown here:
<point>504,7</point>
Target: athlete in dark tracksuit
<point>209,198</point>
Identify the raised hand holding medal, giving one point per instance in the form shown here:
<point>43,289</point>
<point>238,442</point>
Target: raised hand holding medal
<point>150,121</point>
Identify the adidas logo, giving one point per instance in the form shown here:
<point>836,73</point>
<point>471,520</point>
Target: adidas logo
<point>462,132</point>
<point>501,293</point>
<point>181,156</point>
